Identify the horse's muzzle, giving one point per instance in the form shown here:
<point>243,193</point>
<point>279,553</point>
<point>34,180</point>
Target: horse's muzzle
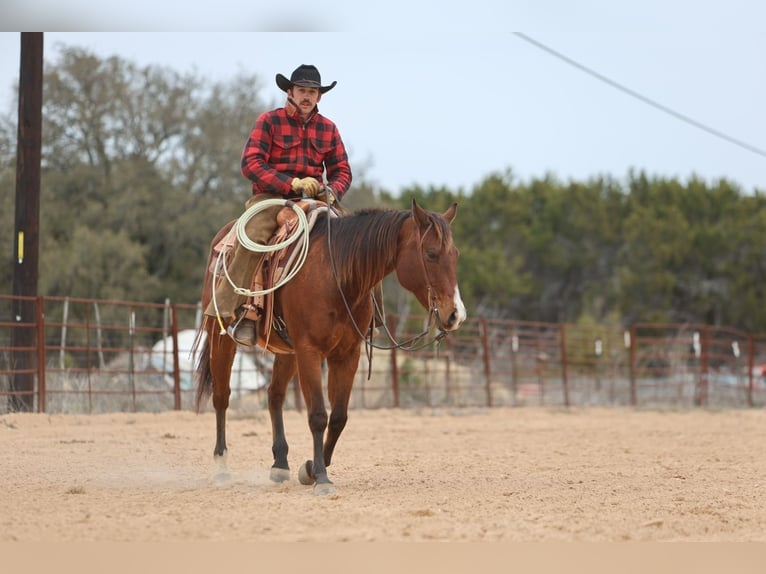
<point>453,320</point>
<point>451,324</point>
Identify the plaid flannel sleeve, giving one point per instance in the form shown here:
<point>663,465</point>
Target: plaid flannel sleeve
<point>338,168</point>
<point>256,161</point>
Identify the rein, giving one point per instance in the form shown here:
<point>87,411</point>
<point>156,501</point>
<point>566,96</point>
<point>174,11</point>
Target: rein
<point>412,344</point>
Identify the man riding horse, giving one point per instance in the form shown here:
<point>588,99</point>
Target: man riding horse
<point>288,152</point>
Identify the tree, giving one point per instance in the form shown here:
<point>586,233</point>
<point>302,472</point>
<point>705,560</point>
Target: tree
<point>744,305</point>
<point>100,264</point>
<point>655,245</point>
<point>141,168</point>
<point>147,154</point>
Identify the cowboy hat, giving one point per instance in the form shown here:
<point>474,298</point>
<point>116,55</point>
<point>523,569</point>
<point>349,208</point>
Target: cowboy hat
<point>306,76</point>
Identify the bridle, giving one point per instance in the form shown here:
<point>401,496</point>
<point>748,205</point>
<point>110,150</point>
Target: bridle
<point>413,343</point>
<point>433,312</point>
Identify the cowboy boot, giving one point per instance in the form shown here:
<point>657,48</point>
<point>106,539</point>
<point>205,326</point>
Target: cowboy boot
<point>243,329</point>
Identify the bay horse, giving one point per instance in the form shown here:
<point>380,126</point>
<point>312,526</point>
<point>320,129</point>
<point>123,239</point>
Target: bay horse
<point>322,308</point>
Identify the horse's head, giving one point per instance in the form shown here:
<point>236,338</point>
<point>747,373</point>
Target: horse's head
<point>427,265</point>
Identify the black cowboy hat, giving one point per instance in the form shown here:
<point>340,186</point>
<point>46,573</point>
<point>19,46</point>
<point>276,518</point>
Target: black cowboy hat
<point>304,75</point>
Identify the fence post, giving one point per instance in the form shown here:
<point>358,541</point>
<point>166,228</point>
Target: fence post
<point>64,320</point>
<point>97,317</point>
<point>41,384</point>
<point>485,356</point>
<point>176,363</point>
<point>750,368</point>
<point>631,344</point>
<point>394,366</point>
<point>563,348</point>
<point>514,366</point>
<point>131,343</point>
<point>88,324</point>
<point>704,367</point>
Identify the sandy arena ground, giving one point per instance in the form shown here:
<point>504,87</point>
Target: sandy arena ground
<point>521,474</point>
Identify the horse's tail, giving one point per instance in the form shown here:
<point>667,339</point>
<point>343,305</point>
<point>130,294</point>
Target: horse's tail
<point>201,348</point>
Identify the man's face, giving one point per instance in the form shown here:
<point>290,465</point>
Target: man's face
<point>306,98</point>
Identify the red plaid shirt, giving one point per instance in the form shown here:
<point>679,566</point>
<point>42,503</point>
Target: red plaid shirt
<point>281,148</point>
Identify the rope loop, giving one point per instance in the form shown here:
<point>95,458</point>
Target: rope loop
<point>239,231</point>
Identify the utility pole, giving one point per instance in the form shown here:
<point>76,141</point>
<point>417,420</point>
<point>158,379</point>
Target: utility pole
<point>27,222</point>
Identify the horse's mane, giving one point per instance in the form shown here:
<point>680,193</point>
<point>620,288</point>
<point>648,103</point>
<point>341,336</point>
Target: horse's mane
<point>366,240</point>
<point>363,242</point>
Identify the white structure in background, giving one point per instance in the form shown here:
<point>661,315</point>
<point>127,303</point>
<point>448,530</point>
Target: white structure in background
<point>245,375</point>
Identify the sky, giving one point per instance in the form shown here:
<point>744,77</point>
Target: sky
<point>445,96</point>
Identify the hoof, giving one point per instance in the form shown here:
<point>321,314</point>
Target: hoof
<point>306,473</point>
<point>324,489</point>
<point>279,474</point>
<point>222,469</point>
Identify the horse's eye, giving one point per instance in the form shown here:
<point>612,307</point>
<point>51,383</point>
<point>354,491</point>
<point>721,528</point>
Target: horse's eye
<point>432,256</point>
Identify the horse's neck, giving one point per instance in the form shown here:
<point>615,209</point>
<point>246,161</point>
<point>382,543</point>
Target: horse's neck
<point>375,249</point>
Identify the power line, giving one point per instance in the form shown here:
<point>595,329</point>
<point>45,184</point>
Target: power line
<point>644,99</point>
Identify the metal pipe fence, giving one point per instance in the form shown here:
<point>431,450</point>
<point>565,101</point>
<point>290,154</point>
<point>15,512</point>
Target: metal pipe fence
<point>94,356</point>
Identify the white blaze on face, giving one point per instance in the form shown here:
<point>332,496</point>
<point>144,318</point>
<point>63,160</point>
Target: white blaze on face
<point>459,307</point>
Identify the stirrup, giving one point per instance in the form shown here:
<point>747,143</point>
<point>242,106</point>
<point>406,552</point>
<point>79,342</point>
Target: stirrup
<point>233,327</point>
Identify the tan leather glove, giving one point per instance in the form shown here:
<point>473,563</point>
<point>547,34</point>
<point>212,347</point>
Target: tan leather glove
<point>308,185</point>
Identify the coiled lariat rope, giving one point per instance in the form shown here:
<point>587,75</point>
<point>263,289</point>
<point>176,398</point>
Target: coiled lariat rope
<point>238,230</point>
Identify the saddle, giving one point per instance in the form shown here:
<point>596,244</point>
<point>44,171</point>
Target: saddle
<point>274,265</point>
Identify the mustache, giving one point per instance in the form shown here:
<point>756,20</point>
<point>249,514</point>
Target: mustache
<point>293,102</point>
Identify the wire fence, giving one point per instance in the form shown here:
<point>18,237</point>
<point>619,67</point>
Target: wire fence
<point>90,356</point>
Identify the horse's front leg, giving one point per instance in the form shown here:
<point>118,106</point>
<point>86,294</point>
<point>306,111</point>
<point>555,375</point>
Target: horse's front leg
<point>314,471</point>
<point>341,371</point>
<point>282,372</point>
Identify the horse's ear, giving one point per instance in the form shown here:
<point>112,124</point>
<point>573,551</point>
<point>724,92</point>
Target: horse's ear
<point>449,215</point>
<point>419,214</point>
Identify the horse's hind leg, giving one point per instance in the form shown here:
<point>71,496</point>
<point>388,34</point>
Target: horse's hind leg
<point>222,354</point>
<point>283,371</point>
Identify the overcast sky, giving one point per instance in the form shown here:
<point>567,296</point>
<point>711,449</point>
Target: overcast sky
<point>449,96</point>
